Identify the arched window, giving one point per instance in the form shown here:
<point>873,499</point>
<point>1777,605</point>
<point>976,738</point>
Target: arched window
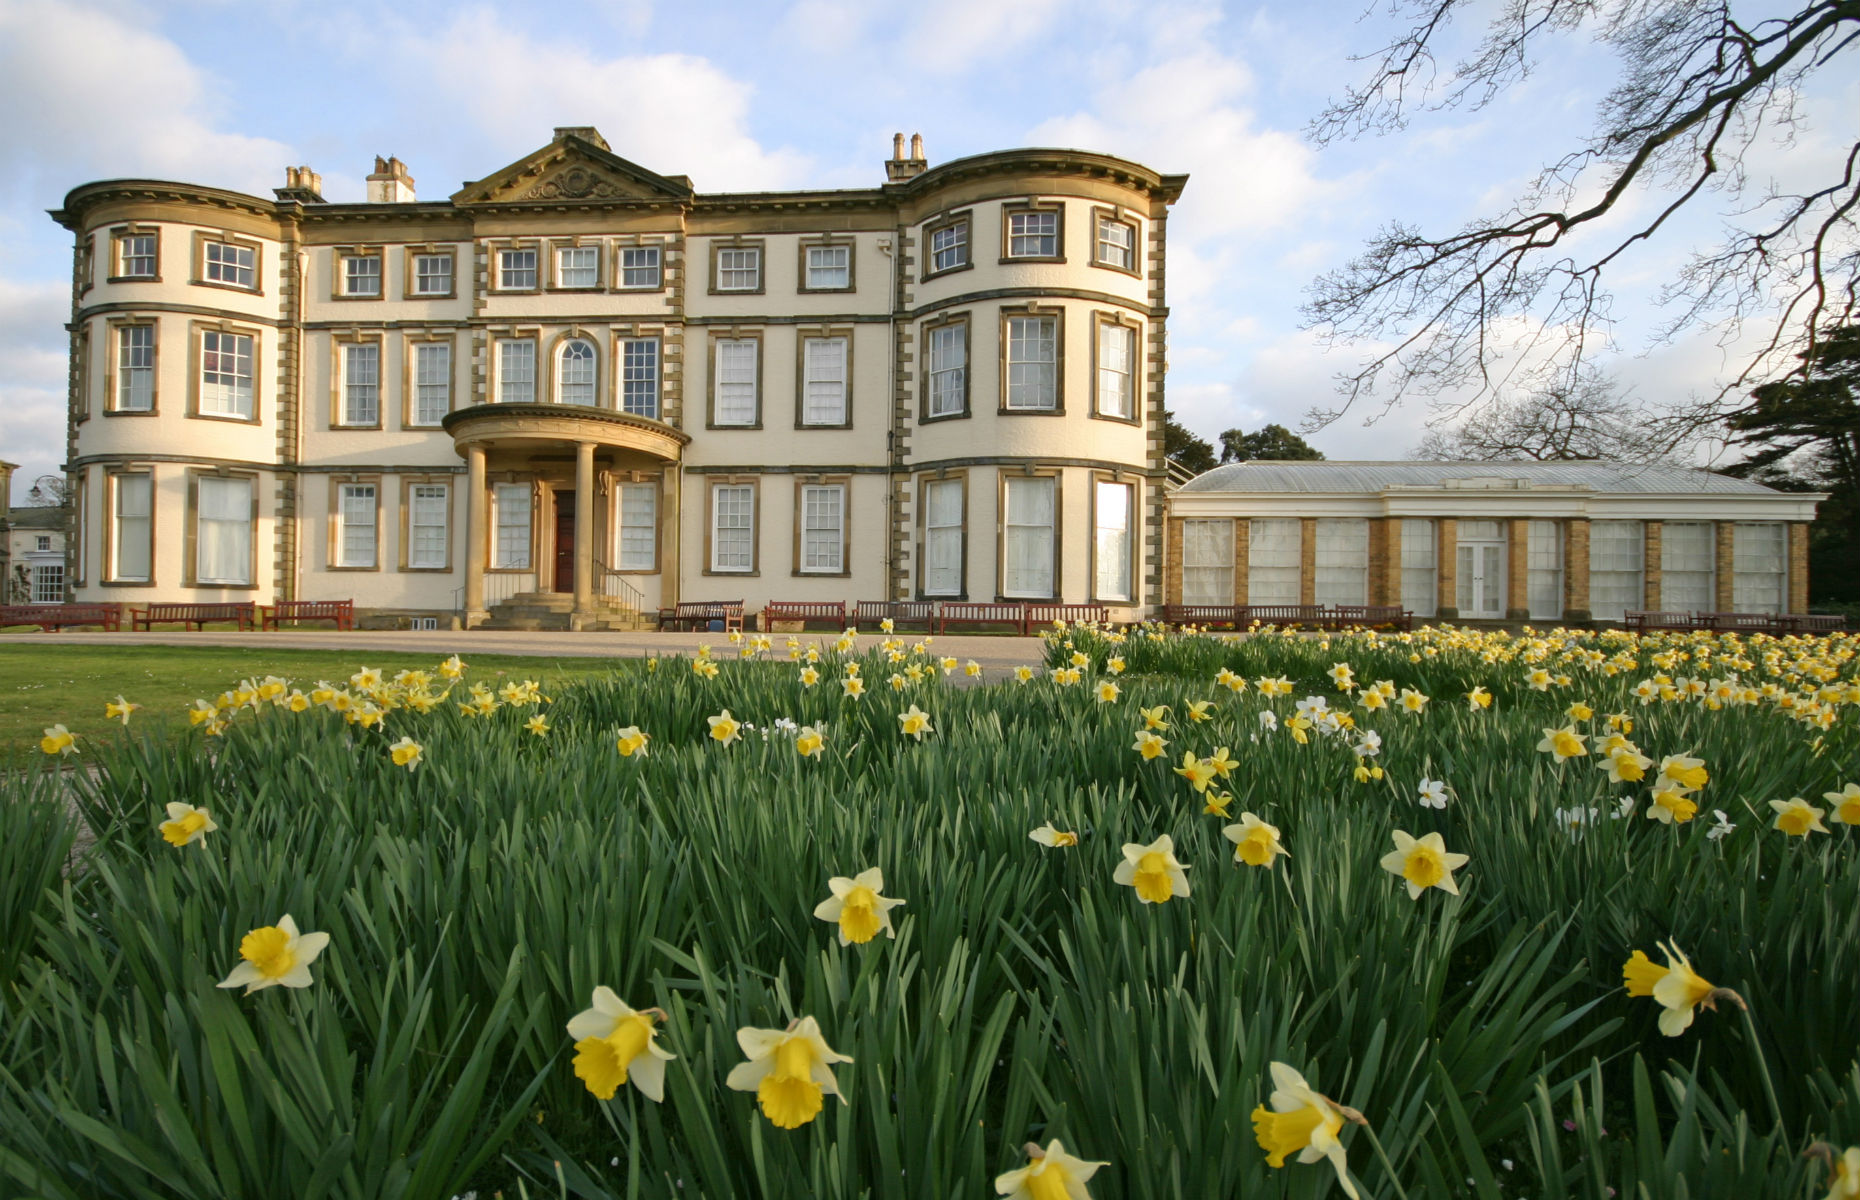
<point>575,373</point>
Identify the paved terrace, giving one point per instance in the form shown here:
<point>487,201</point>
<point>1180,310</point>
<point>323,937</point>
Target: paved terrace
<point>996,654</point>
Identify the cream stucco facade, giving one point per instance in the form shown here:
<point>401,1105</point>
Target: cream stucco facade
<point>581,380</point>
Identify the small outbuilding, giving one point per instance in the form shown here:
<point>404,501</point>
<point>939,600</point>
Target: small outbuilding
<point>1537,541</point>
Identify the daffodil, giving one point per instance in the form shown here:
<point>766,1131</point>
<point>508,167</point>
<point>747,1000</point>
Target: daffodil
<point>1624,764</point>
<point>1300,726</point>
<point>1148,744</point>
<point>452,668</point>
<point>186,825</point>
<point>58,740</point>
<point>1080,658</point>
<point>1051,1175</point>
<point>1107,692</point>
<point>615,1045</point>
<point>788,1070</point>
<point>809,676</point>
<point>1843,1170</point>
<point>275,955</point>
<point>1671,807</point>
<point>1478,698</point>
<point>852,687</point>
<point>1341,675</point>
<point>1579,711</point>
<point>857,907</point>
<point>1023,674</point>
<point>1412,700</point>
<point>1676,987</point>
<point>1302,1121</point>
<point>914,722</point>
<point>1423,862</point>
<point>538,725</point>
<point>1433,793</point>
<point>1229,680</point>
<point>118,709</point>
<point>1153,870</point>
<point>1797,817</point>
<point>704,668</point>
<point>1846,804</point>
<point>1216,803</point>
<point>972,669</point>
<point>406,753</point>
<point>1222,764</point>
<point>1047,836</point>
<point>1565,743</point>
<point>724,728</point>
<point>1256,843</point>
<point>1198,772</point>
<point>1155,718</point>
<point>1688,773</point>
<point>1198,710</point>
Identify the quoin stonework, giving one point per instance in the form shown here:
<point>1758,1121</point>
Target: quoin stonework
<point>583,387</point>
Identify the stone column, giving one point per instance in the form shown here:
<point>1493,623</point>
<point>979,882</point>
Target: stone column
<point>1376,590</point>
<point>1724,566</point>
<point>1447,568</point>
<point>671,534</point>
<point>1243,546</point>
<point>477,534</point>
<point>584,535</point>
<point>1517,569</point>
<point>1651,578</point>
<point>1798,567</point>
<point>1307,560</point>
<point>1576,569</point>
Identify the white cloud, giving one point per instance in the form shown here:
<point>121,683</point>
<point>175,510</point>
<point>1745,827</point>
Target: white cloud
<point>89,94</point>
<point>679,114</point>
<point>32,389</point>
<point>957,35</point>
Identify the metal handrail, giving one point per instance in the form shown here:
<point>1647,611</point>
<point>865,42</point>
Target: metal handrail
<point>611,585</point>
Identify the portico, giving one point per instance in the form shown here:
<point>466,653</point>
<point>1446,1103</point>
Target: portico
<point>564,463</point>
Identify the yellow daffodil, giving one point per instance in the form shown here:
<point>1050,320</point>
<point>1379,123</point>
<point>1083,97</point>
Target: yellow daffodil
<point>1155,718</point>
<point>1846,804</point>
<point>406,753</point>
<point>1372,700</point>
<point>1114,665</point>
<point>857,907</point>
<point>615,1045</point>
<point>1047,836</point>
<point>725,728</point>
<point>275,956</point>
<point>118,709</point>
<point>852,687</point>
<point>1579,711</point>
<point>1148,745</point>
<point>1256,843</point>
<point>297,702</point>
<point>972,669</point>
<point>1676,987</point>
<point>1843,1170</point>
<point>1478,698</point>
<point>1688,773</point>
<point>1232,682</point>
<point>886,625</point>
<point>1565,743</point>
<point>1302,1121</point>
<point>1423,862</point>
<point>1080,658</point>
<point>1107,692</point>
<point>1198,710</point>
<point>810,742</point>
<point>1222,764</point>
<point>1023,674</point>
<point>898,682</point>
<point>1300,726</point>
<point>704,668</point>
<point>1671,807</point>
<point>631,741</point>
<point>452,668</point>
<point>1624,764</point>
<point>788,1070</point>
<point>1153,870</point>
<point>809,676</point>
<point>366,679</point>
<point>1051,1175</point>
<point>186,825</point>
<point>58,740</point>
<point>914,722</point>
<point>538,725</point>
<point>1797,817</point>
<point>1217,803</point>
<point>1412,700</point>
<point>1198,772</point>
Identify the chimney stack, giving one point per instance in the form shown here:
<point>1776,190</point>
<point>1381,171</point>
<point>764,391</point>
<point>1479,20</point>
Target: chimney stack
<point>390,183</point>
<point>302,185</point>
<point>899,168</point>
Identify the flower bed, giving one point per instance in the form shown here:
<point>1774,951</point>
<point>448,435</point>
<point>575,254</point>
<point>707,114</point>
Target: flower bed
<point>1198,909</point>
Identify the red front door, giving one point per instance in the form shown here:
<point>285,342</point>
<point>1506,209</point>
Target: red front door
<point>564,541</point>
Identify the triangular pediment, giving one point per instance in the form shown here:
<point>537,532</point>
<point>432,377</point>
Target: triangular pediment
<point>568,170</point>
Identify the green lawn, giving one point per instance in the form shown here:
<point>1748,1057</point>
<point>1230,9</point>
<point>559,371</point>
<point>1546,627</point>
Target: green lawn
<point>41,685</point>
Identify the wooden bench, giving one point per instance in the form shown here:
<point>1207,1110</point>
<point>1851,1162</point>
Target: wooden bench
<point>1342,616</point>
<point>342,612</point>
<point>1648,620</point>
<point>1283,614</point>
<point>964,612</point>
<point>58,616</point>
<point>1071,614</point>
<point>1814,623</point>
<point>698,614</point>
<point>831,611</point>
<point>1736,622</point>
<point>899,612</point>
<point>1231,615</point>
<point>196,615</point>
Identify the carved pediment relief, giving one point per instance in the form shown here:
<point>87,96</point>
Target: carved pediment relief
<point>571,171</point>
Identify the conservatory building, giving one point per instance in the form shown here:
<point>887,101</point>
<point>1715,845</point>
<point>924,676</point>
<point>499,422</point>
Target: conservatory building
<point>580,382</point>
<point>1537,541</point>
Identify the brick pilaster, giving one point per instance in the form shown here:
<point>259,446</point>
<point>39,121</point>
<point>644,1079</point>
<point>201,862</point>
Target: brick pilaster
<point>1447,564</point>
<point>1576,569</point>
<point>1651,560</point>
<point>1517,569</point>
<point>1725,565</point>
<point>1307,560</point>
<point>1798,566</point>
<point>1377,591</point>
<point>1243,546</point>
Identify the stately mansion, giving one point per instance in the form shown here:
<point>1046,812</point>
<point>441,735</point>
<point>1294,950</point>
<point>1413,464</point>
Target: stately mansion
<point>580,382</point>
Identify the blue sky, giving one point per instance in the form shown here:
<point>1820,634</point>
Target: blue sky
<point>808,94</point>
